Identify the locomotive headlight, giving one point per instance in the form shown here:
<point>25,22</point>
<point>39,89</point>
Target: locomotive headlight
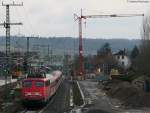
<point>28,93</point>
<point>37,94</point>
<point>33,94</point>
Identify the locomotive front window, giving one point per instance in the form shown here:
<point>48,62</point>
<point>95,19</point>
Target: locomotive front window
<point>47,83</point>
<point>27,84</point>
<point>39,84</point>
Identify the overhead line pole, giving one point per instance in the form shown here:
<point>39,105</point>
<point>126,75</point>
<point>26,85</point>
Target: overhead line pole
<point>28,44</point>
<point>7,25</point>
<point>48,50</point>
<point>51,56</point>
<point>27,54</point>
<point>47,46</point>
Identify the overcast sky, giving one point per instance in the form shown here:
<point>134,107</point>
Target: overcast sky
<point>55,18</point>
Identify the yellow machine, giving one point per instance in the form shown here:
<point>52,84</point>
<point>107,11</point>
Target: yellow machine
<point>114,73</point>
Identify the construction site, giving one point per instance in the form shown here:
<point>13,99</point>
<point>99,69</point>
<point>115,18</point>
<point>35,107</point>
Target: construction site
<point>50,65</point>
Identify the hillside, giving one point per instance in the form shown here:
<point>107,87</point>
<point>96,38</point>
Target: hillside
<point>66,44</point>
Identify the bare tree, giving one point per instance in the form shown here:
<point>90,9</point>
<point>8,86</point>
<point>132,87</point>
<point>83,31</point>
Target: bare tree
<point>143,60</point>
<point>105,59</point>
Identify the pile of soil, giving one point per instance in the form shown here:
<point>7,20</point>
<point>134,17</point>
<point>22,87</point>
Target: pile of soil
<point>96,111</point>
<point>129,95</point>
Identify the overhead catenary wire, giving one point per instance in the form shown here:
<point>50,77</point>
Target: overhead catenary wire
<point>29,22</point>
<point>28,28</point>
<point>24,26</point>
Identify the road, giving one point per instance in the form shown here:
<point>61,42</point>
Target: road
<point>95,98</point>
<point>60,103</point>
<point>99,102</point>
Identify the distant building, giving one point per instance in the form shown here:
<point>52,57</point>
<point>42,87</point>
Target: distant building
<point>123,59</point>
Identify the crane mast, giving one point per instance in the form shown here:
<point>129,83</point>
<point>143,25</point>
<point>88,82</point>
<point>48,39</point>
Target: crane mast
<point>81,66</point>
<point>81,72</point>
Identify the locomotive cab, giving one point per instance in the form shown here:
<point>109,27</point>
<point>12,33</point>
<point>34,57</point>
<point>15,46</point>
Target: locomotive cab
<point>33,89</point>
<point>40,86</point>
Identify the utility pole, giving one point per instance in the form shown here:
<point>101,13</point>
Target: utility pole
<point>7,25</point>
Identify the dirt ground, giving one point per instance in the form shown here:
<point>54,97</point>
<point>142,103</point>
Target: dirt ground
<point>114,97</point>
<point>130,96</point>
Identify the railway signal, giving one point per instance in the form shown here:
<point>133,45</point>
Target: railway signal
<point>80,18</point>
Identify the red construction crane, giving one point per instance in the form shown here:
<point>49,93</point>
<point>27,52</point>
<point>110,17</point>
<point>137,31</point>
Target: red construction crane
<point>81,71</point>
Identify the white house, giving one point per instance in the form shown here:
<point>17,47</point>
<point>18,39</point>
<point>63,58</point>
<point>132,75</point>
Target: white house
<point>123,59</point>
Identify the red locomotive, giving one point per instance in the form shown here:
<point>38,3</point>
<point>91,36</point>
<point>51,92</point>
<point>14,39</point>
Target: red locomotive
<point>40,87</point>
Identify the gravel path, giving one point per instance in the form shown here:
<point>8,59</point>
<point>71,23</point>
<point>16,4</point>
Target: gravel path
<point>95,98</point>
<point>98,102</point>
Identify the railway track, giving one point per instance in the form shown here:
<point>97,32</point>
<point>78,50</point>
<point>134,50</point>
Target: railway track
<point>28,111</point>
<point>38,110</point>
